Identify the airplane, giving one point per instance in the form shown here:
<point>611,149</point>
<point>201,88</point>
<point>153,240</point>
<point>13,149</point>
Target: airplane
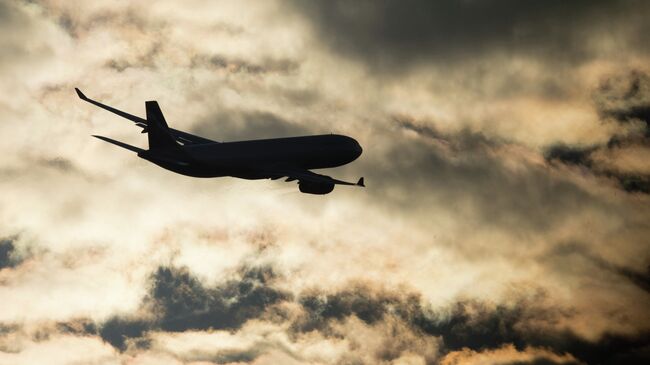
<point>275,158</point>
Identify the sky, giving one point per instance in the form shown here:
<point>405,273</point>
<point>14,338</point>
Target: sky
<point>505,218</point>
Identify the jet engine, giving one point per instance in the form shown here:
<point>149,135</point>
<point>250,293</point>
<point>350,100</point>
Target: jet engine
<point>311,187</point>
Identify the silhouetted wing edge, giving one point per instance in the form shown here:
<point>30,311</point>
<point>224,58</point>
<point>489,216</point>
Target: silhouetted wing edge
<point>307,175</point>
<point>182,137</point>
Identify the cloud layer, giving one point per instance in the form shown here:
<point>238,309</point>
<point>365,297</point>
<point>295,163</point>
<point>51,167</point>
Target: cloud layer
<point>505,218</point>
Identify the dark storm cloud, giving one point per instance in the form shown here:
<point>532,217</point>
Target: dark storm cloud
<point>121,331</point>
<point>424,130</point>
<point>473,324</point>
<point>9,257</point>
<point>463,140</point>
<point>542,361</point>
<point>359,301</point>
<point>182,302</point>
<point>625,97</point>
<point>178,301</point>
<point>6,249</point>
<point>236,125</point>
<point>570,155</point>
<point>398,33</point>
<point>581,156</point>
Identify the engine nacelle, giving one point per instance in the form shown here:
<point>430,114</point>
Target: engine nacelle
<point>310,187</point>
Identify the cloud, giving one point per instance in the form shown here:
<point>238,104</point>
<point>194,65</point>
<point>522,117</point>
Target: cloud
<point>7,258</point>
<point>637,276</point>
<point>234,125</point>
<point>238,65</point>
<point>625,96</point>
<point>398,34</point>
<point>497,137</point>
<point>178,302</point>
<point>507,354</point>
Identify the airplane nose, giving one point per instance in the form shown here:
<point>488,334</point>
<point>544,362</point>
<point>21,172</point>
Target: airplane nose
<point>357,149</point>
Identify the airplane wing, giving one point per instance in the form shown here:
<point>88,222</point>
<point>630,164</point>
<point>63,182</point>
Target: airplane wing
<point>121,144</point>
<point>307,175</point>
<point>182,137</point>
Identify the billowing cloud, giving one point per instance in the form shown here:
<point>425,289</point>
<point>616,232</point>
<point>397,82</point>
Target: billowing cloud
<point>398,33</point>
<point>505,218</point>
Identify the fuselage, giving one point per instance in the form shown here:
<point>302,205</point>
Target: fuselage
<point>255,159</point>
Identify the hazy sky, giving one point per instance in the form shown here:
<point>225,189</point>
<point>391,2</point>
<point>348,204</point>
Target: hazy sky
<point>506,218</point>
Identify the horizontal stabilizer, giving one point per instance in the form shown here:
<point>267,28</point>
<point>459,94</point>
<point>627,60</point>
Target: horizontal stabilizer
<point>121,144</point>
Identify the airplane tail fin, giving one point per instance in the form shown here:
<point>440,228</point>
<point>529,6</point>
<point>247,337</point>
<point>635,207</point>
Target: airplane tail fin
<point>160,139</point>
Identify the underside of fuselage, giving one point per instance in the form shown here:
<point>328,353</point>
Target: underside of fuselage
<point>258,159</point>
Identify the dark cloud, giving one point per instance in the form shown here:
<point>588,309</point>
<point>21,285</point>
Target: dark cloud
<point>581,156</point>
<point>635,183</point>
<point>570,155</point>
<point>527,321</point>
<point>422,129</point>
<point>235,125</point>
<point>182,302</point>
<point>178,301</point>
<point>359,301</point>
<point>121,331</point>
<point>540,360</point>
<point>399,33</point>
<point>8,255</point>
<point>638,276</point>
<point>625,97</point>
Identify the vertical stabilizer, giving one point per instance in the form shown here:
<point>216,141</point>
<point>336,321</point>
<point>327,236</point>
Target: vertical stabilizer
<point>160,139</point>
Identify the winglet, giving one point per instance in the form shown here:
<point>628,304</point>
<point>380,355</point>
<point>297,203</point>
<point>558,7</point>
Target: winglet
<point>81,95</point>
<point>361,183</point>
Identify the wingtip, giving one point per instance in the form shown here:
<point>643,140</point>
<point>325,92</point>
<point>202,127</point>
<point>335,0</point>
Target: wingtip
<point>361,183</point>
<point>80,94</point>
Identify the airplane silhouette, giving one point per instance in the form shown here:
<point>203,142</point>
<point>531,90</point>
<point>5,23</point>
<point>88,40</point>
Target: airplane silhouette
<point>195,156</point>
